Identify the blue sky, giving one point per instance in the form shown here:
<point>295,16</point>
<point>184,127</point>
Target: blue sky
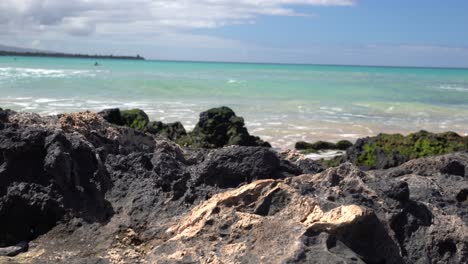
<point>364,32</point>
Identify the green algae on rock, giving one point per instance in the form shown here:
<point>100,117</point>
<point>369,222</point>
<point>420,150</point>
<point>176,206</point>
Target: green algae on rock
<point>172,131</point>
<point>219,127</point>
<point>390,150</point>
<point>138,119</point>
<point>135,118</point>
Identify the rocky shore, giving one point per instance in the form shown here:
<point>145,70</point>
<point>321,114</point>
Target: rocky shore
<point>115,187</point>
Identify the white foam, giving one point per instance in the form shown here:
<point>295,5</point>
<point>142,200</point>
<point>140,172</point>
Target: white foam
<point>45,100</point>
<point>62,104</point>
<point>334,109</point>
<point>12,72</point>
<point>22,104</point>
<point>454,88</point>
<point>254,124</point>
<point>350,135</point>
<point>325,154</point>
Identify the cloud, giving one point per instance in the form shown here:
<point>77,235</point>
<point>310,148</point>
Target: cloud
<point>84,17</point>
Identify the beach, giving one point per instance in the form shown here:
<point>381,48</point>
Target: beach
<point>281,103</point>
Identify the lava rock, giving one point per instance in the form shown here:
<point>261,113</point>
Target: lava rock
<point>229,167</point>
<point>112,116</point>
<point>74,180</point>
<point>398,191</point>
<point>454,167</point>
<point>44,175</point>
<point>462,195</point>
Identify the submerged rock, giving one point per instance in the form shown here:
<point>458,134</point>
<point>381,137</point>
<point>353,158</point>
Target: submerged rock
<point>219,127</point>
<point>322,145</point>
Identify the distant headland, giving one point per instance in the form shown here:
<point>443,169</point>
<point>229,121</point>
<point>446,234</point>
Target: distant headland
<point>67,55</point>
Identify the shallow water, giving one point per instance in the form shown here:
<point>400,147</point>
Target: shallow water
<point>281,103</point>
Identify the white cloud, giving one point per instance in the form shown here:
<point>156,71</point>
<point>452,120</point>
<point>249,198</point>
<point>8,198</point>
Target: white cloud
<point>83,17</point>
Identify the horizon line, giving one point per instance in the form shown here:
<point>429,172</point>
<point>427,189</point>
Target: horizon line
<point>313,64</point>
<point>116,57</point>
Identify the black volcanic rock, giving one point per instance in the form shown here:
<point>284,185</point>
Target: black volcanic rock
<point>398,191</point>
<point>43,176</point>
<point>80,190</point>
<point>229,167</point>
<point>112,115</point>
<point>4,113</point>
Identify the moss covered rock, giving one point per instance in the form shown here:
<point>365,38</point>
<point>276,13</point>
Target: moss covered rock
<point>172,131</point>
<point>135,118</point>
<point>138,119</point>
<point>389,150</point>
<point>220,127</point>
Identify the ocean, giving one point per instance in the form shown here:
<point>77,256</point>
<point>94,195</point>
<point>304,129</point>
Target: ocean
<point>281,103</point>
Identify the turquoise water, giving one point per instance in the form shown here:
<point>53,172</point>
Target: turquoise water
<point>282,103</point>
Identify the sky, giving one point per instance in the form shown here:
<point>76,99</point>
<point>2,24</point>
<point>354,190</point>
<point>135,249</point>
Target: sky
<point>358,32</point>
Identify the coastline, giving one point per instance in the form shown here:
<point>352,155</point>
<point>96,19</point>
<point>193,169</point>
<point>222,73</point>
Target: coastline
<point>66,55</point>
<point>282,131</point>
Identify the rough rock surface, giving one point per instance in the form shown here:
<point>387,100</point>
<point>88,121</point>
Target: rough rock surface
<point>76,189</point>
<point>342,215</point>
<point>74,177</point>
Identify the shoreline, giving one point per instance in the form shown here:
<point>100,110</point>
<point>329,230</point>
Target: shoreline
<point>282,135</point>
<point>321,149</point>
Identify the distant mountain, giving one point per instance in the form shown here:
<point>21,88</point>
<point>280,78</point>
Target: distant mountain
<point>18,49</point>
